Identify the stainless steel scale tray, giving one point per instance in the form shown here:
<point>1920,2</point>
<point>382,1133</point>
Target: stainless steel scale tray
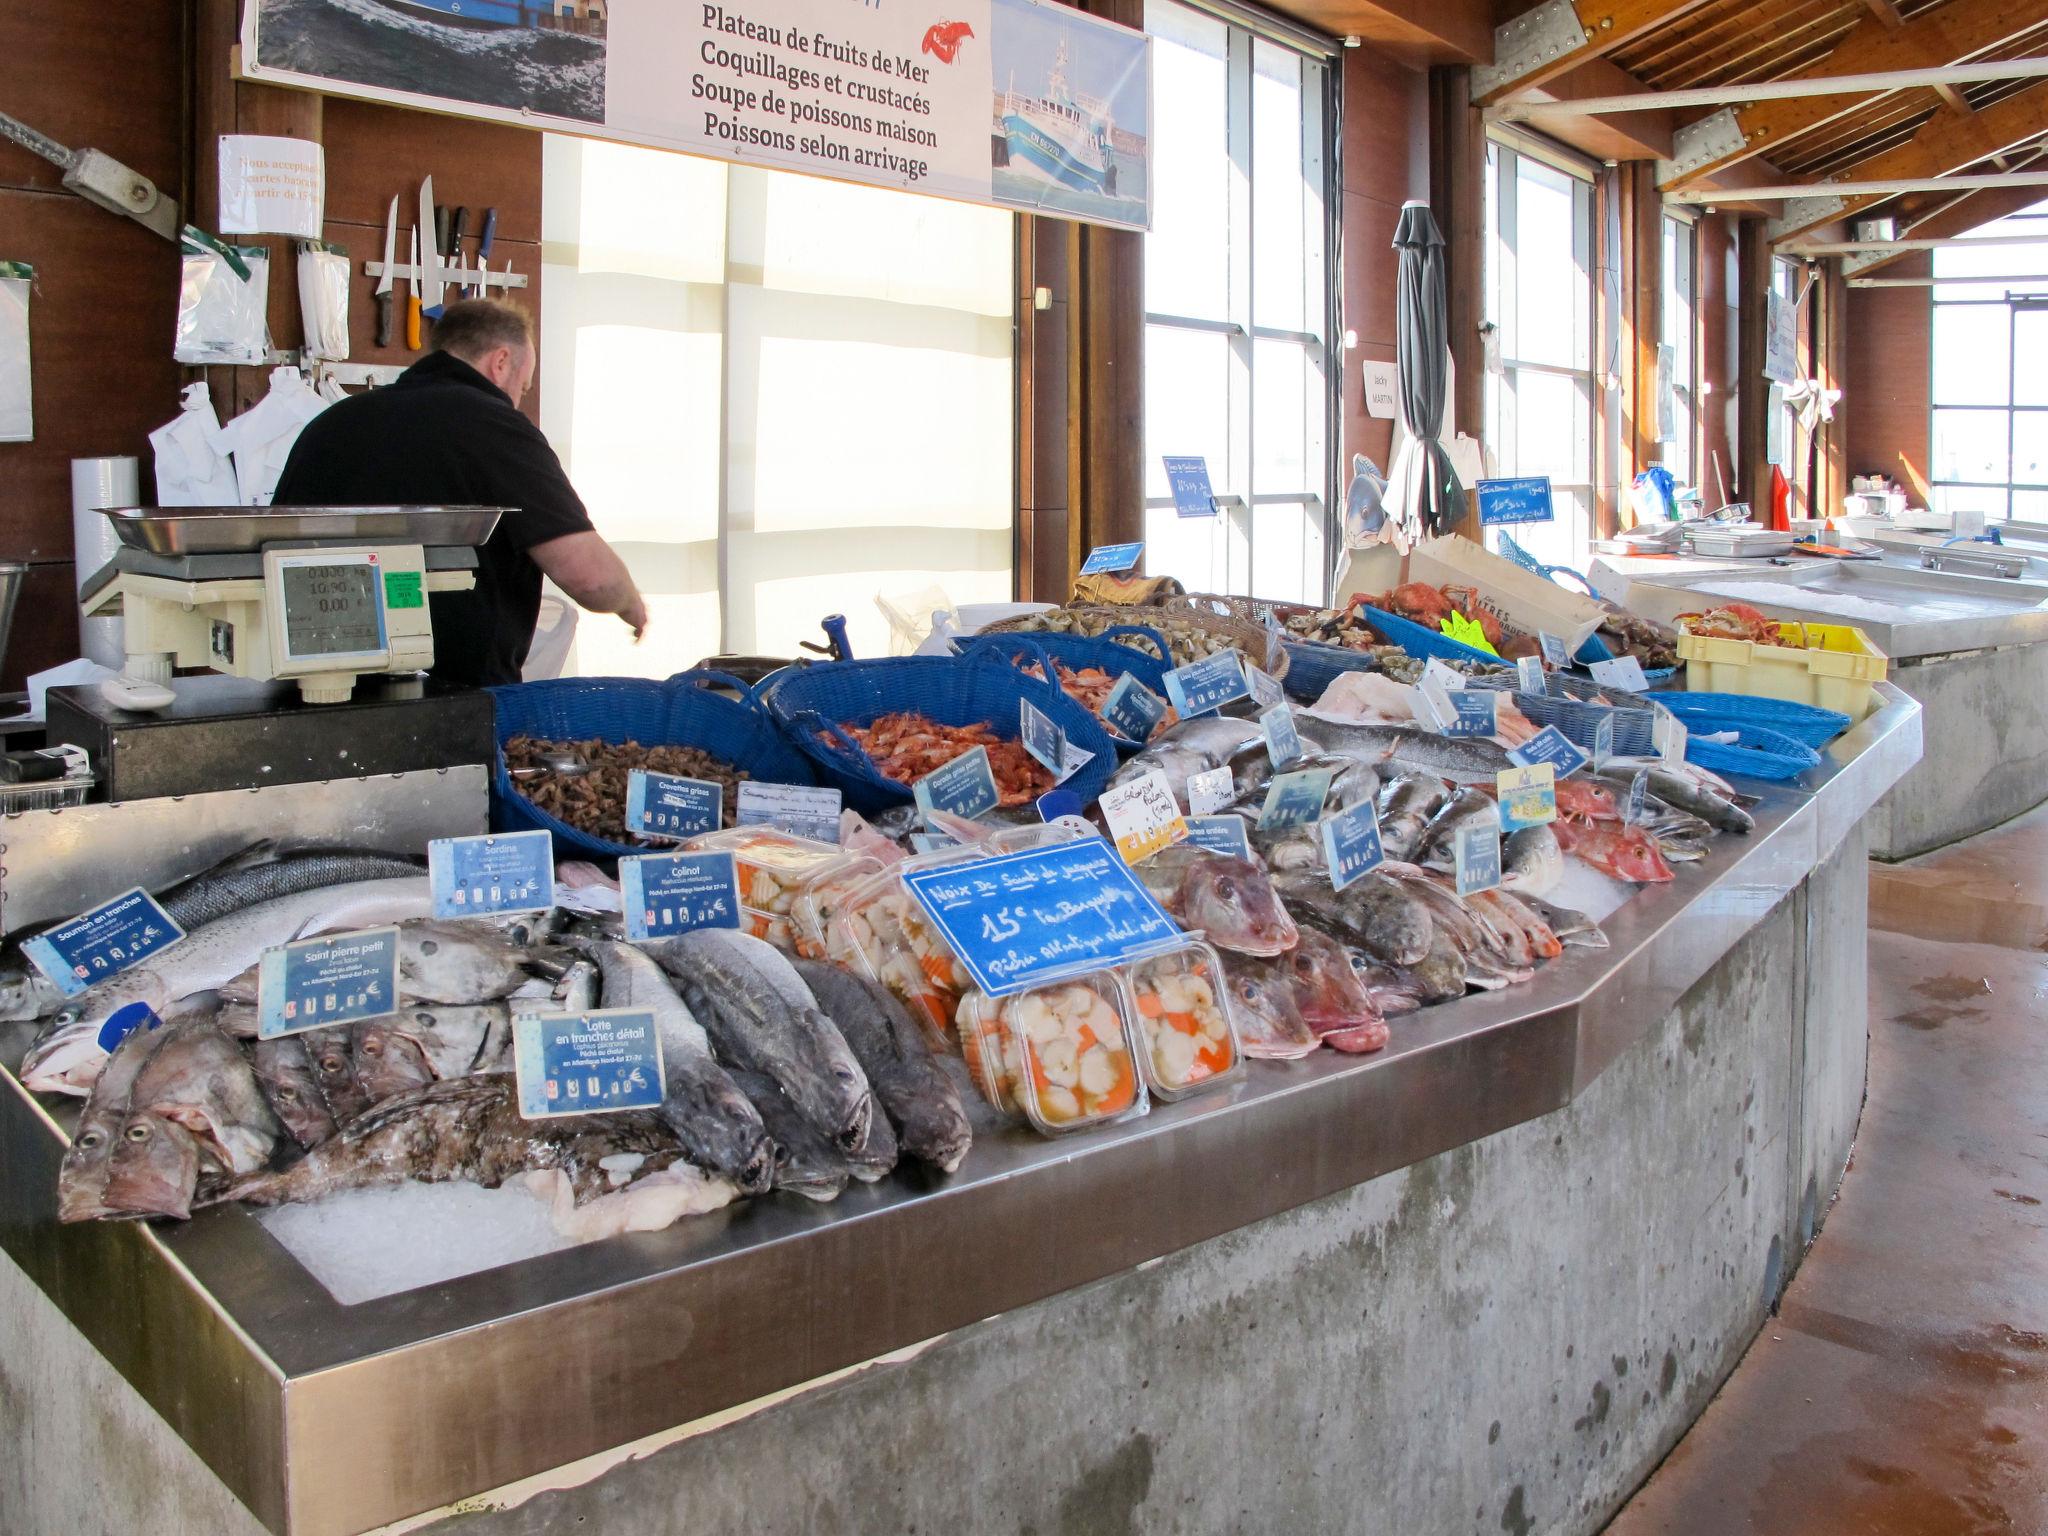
<point>244,530</point>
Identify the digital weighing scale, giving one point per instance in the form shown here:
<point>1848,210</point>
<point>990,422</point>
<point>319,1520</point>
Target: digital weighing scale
<point>314,595</point>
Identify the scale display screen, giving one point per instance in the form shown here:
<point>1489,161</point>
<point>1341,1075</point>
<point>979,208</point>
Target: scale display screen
<point>333,607</point>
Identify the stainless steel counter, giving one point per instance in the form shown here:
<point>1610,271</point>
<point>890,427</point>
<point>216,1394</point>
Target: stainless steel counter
<point>326,1419</point>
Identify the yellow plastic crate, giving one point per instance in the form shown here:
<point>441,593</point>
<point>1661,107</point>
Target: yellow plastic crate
<point>1834,669</point>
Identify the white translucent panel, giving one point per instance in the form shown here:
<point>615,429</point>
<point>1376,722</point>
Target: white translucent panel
<point>1188,386</point>
<point>2029,356</point>
<point>1970,445</point>
<point>2030,506</point>
<point>621,208</point>
<point>2030,447</point>
<point>1565,540</point>
<point>1288,552</point>
<point>780,604</point>
<point>682,630</point>
<point>1553,426</point>
<point>1990,500</point>
<point>1288,420</point>
<point>1188,252</point>
<point>1280,201</point>
<point>803,234</point>
<point>1552,285</point>
<point>1994,261</point>
<point>1972,354</point>
<point>1192,550</point>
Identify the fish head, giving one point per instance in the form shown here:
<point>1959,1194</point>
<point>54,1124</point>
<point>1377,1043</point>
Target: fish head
<point>388,1063</point>
<point>1577,797</point>
<point>1265,1000</point>
<point>286,1076</point>
<point>22,993</point>
<point>82,1176</point>
<point>1326,988</point>
<point>329,1053</point>
<point>1636,858</point>
<point>154,1169</point>
<point>1235,904</point>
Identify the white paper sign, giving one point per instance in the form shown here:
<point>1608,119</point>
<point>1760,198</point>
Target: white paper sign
<point>17,412</point>
<point>271,186</point>
<point>1623,672</point>
<point>1381,382</point>
<point>1211,792</point>
<point>1143,817</point>
<point>1781,338</point>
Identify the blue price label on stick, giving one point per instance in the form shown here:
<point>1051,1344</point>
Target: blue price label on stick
<point>339,978</point>
<point>1528,797</point>
<point>498,872</point>
<point>1266,690</point>
<point>1351,845</point>
<point>798,809</point>
<point>1132,710</point>
<point>1205,686</point>
<point>670,893</point>
<point>1529,675</point>
<point>99,945</point>
<point>1475,853</point>
<point>1028,918</point>
<point>1555,652</point>
<point>1188,479</point>
<point>1229,835</point>
<point>1046,742</point>
<point>663,805</point>
<point>1283,737</point>
<point>1295,799</point>
<point>1526,500</point>
<point>1112,559</point>
<point>1551,746</point>
<point>595,1063</point>
<point>1638,801</point>
<point>965,787</point>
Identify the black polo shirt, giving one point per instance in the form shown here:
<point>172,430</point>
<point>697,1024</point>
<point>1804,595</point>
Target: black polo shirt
<point>444,435</point>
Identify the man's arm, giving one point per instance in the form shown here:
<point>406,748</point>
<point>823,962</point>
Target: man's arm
<point>591,572</point>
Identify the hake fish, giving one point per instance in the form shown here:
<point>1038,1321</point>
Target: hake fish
<point>1405,807</point>
<point>806,1163</point>
<point>760,1017</point>
<point>1462,759</point>
<point>914,1091</point>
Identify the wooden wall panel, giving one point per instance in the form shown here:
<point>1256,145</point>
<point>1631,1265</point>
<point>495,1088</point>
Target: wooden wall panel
<point>91,78</point>
<point>1886,379</point>
<point>1720,361</point>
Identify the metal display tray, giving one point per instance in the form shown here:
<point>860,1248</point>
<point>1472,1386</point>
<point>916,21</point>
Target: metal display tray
<point>326,1419</point>
<point>244,530</point>
<point>1920,613</point>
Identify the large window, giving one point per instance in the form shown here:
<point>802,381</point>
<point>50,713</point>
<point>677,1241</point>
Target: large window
<point>1990,388</point>
<point>1539,304</point>
<point>1238,307</point>
<point>782,397</point>
<point>1678,354</point>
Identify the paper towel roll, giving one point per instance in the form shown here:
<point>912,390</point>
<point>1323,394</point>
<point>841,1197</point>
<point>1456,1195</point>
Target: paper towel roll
<point>97,483</point>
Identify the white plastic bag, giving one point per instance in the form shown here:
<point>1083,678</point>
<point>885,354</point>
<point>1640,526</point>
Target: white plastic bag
<point>223,302</point>
<point>192,468</point>
<point>261,438</point>
<point>17,405</point>
<point>323,300</point>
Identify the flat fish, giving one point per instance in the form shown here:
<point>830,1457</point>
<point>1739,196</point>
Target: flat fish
<point>914,1091</point>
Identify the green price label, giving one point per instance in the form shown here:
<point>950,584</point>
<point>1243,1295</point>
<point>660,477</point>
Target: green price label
<point>404,589</point>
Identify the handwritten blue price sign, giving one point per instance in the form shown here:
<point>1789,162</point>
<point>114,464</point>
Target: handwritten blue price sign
<point>1283,737</point>
<point>1205,686</point>
<point>1526,500</point>
<point>966,787</point>
<point>1475,852</point>
<point>1188,478</point>
<point>499,872</point>
<point>342,978</point>
<point>1112,559</point>
<point>1132,710</point>
<point>1351,845</point>
<point>99,945</point>
<point>1551,746</point>
<point>1295,799</point>
<point>1528,797</point>
<point>671,893</point>
<point>1028,918</point>
<point>1228,835</point>
<point>586,1063</point>
<point>663,805</point>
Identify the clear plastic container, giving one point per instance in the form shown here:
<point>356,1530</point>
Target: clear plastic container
<point>821,897</point>
<point>1046,834</point>
<point>878,930</point>
<point>1186,1026</point>
<point>1061,1055</point>
<point>775,869</point>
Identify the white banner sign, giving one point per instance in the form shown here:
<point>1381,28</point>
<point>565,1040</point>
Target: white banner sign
<point>1025,104</point>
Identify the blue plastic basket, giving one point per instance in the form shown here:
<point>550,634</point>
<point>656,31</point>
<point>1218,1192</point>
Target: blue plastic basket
<point>1417,640</point>
<point>811,703</point>
<point>674,713</point>
<point>1106,651</point>
<point>1804,723</point>
<point>1757,752</point>
<point>1596,649</point>
<point>1313,666</point>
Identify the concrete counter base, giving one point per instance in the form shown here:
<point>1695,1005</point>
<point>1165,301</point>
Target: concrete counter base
<point>1507,1336</point>
<point>1986,729</point>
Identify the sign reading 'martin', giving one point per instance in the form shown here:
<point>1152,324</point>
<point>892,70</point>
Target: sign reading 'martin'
<point>1019,103</point>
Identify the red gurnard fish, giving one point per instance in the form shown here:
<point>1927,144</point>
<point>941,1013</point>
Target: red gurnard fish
<point>1627,853</point>
<point>1234,903</point>
<point>1575,797</point>
<point>1331,998</point>
<point>943,41</point>
<point>1269,1025</point>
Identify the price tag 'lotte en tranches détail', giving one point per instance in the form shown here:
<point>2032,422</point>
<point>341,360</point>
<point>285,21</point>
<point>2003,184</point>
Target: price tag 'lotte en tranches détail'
<point>497,872</point>
<point>597,1063</point>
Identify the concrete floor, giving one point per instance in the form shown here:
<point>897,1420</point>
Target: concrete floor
<point>1903,1388</point>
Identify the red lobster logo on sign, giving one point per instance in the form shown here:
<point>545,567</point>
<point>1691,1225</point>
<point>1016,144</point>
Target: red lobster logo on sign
<point>943,41</point>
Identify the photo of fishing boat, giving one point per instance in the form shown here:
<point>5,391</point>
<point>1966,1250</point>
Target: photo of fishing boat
<point>544,56</point>
<point>1070,125</point>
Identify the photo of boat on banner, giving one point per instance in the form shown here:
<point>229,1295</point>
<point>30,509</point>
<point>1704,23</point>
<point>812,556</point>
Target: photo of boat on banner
<point>1072,124</point>
<point>544,56</point>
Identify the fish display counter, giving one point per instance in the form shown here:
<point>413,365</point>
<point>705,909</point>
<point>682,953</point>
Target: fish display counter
<point>1133,1236</point>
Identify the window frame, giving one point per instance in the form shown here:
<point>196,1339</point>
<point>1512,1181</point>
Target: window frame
<point>1687,387</point>
<point>2015,303</point>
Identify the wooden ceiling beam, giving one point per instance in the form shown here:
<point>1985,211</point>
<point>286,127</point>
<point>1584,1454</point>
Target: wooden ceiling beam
<point>1954,33</point>
<point>1944,144</point>
<point>1414,32</point>
<point>1559,35</point>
